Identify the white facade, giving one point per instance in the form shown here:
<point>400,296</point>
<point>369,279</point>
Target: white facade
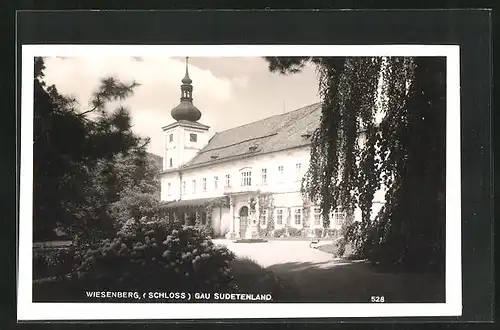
<point>264,161</point>
<point>279,173</point>
<point>182,142</point>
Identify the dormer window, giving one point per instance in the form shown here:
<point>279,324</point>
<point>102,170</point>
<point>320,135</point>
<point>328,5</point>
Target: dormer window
<point>193,137</point>
<point>306,135</point>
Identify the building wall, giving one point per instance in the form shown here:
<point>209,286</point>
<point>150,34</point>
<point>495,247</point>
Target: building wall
<point>221,220</point>
<point>285,188</point>
<point>289,181</point>
<point>181,149</point>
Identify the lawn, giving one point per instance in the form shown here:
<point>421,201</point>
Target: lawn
<point>252,278</point>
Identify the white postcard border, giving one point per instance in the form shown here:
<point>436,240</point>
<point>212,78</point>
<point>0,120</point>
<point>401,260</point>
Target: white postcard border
<point>29,311</point>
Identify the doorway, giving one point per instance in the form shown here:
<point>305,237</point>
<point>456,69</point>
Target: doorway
<point>243,220</point>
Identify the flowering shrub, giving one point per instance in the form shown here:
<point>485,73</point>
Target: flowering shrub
<point>206,230</point>
<point>157,256</point>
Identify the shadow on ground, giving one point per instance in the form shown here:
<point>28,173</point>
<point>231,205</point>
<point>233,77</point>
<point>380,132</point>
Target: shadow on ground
<point>357,282</point>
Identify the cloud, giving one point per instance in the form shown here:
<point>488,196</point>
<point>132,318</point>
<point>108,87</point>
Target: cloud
<point>228,91</point>
<point>156,75</point>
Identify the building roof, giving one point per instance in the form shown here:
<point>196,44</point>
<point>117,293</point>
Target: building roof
<point>189,202</point>
<point>187,123</point>
<point>280,132</point>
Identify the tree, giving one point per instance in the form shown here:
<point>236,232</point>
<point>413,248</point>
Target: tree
<point>138,193</point>
<point>403,152</point>
<point>69,142</point>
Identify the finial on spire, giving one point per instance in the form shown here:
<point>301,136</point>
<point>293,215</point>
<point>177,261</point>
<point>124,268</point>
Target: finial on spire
<point>186,79</point>
<point>186,110</point>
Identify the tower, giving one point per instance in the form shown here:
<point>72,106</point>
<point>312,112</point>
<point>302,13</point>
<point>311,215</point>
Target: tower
<point>186,136</point>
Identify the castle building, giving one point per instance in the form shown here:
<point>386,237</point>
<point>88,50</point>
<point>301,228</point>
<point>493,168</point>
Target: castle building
<point>214,180</point>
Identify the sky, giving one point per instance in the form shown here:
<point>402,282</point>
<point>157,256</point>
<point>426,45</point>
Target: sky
<point>228,91</point>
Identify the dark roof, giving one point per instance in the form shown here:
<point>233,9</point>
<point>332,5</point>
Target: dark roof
<point>276,133</point>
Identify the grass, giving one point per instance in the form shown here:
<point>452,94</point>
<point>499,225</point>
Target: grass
<point>333,249</point>
<point>253,278</point>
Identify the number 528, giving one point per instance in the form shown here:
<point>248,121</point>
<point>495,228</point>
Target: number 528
<point>377,299</point>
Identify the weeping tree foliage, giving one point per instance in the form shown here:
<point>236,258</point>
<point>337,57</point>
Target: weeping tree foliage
<point>382,128</point>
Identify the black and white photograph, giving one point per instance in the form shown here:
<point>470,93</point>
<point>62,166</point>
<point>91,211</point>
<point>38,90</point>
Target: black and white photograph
<point>304,181</point>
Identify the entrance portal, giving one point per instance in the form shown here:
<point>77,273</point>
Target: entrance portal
<point>243,220</point>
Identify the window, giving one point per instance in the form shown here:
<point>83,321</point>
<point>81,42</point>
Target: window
<point>317,216</point>
<point>339,217</point>
<point>246,178</point>
<point>297,216</point>
<point>169,188</point>
<point>170,138</point>
<point>298,171</point>
<point>193,137</point>
<point>194,186</point>
<point>264,176</point>
<point>263,217</point>
<point>216,182</point>
<point>183,187</point>
<point>170,162</point>
<point>228,180</point>
<point>204,184</point>
<point>279,217</point>
<point>280,175</point>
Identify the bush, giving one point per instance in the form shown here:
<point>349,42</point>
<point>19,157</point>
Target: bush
<point>206,230</point>
<point>341,246</point>
<point>294,231</point>
<point>318,232</point>
<point>159,256</point>
<point>279,232</point>
<point>52,262</point>
<point>330,232</point>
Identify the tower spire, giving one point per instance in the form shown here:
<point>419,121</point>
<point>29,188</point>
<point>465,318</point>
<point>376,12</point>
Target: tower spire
<point>186,80</point>
<point>186,110</point>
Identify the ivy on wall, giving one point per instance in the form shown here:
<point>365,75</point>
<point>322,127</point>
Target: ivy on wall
<point>266,203</point>
<point>222,202</point>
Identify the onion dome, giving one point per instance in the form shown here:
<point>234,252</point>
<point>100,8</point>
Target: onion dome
<point>186,109</point>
